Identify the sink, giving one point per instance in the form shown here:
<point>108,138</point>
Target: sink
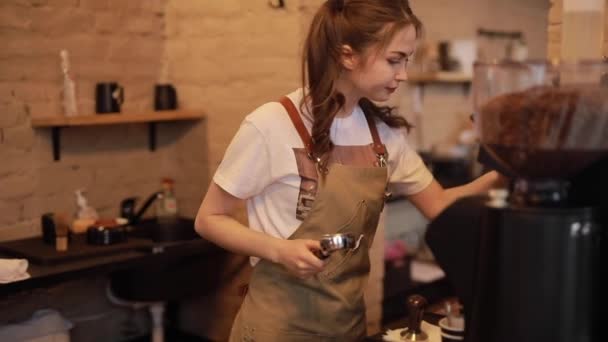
<point>181,230</point>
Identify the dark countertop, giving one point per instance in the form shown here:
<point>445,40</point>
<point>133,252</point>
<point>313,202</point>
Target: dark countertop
<point>49,274</point>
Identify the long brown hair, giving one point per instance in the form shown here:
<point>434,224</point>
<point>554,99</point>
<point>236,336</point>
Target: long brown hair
<point>359,24</point>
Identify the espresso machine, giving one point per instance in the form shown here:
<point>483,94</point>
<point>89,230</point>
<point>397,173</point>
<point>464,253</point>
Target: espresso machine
<point>529,261</point>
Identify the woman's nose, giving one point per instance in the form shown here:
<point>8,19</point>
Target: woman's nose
<point>401,76</point>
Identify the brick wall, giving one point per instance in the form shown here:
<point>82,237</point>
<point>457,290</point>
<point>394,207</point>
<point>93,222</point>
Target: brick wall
<point>108,41</point>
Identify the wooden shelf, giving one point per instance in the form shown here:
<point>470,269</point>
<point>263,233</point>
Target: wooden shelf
<point>440,77</point>
<point>56,123</point>
<point>114,119</point>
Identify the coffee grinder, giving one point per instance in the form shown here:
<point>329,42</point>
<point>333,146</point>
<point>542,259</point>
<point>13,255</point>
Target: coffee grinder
<point>529,262</point>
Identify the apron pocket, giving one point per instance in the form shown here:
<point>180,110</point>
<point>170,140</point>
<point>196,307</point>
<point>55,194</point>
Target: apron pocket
<point>354,225</point>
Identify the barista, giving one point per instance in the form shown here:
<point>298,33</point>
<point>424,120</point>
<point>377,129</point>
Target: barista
<point>317,162</point>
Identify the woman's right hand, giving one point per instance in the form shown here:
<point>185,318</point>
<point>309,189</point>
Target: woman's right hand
<point>297,256</point>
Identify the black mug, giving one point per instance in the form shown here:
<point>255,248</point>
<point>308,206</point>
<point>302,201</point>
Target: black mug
<point>165,97</point>
<point>109,96</point>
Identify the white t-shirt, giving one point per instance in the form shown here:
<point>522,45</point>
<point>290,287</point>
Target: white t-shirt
<point>260,165</point>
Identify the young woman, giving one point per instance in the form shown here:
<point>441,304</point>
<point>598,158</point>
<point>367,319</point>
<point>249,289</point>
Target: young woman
<point>318,162</point>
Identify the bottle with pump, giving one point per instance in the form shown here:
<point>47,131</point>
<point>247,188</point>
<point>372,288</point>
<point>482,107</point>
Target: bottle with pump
<point>85,211</point>
<point>85,215</point>
<point>166,204</point>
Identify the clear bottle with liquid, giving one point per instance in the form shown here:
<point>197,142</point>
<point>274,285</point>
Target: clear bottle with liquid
<point>166,204</point>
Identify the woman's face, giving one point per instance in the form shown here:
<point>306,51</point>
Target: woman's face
<point>377,74</point>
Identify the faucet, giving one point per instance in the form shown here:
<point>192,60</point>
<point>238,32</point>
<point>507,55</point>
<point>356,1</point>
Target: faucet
<point>127,207</point>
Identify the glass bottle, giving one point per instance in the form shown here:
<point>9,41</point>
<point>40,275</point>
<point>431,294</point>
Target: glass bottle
<point>166,203</point>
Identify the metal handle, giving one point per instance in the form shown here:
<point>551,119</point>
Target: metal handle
<point>415,309</point>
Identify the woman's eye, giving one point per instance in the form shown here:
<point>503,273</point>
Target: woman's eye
<point>394,61</point>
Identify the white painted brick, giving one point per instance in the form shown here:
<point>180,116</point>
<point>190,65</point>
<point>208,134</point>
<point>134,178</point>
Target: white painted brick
<point>121,49</point>
<point>12,114</point>
<point>19,137</point>
<point>42,3</point>
<point>62,178</point>
<point>96,4</point>
<point>20,230</point>
<point>13,160</point>
<point>145,24</point>
<point>21,44</point>
<point>141,72</point>
<point>110,22</point>
<point>45,109</point>
<point>121,6</point>
<point>53,22</point>
<point>30,69</point>
<point>87,75</point>
<point>14,17</point>
<point>59,3</point>
<point>30,91</point>
<point>17,186</point>
<point>192,10</point>
<point>10,213</point>
<point>83,48</point>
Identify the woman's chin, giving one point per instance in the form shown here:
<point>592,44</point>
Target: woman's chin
<point>380,97</point>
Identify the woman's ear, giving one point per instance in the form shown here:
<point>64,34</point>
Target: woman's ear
<point>348,57</point>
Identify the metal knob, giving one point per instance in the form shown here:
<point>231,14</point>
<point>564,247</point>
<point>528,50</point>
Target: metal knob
<point>415,308</point>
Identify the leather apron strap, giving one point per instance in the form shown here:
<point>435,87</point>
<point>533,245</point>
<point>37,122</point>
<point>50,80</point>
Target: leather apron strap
<point>296,119</point>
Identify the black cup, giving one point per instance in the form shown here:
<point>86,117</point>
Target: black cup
<point>165,97</point>
<point>109,96</point>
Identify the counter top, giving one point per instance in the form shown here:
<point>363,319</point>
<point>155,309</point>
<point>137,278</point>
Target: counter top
<point>45,275</point>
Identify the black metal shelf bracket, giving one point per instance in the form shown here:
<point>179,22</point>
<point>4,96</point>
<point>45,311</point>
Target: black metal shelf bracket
<point>152,136</point>
<point>56,136</point>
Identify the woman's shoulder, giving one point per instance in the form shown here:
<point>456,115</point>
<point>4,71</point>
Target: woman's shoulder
<point>270,115</point>
<point>266,116</point>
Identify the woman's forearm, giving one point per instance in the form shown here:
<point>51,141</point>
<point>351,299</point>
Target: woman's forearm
<point>434,199</point>
<point>478,186</point>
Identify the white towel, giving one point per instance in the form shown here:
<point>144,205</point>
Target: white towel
<point>433,332</point>
<point>13,270</point>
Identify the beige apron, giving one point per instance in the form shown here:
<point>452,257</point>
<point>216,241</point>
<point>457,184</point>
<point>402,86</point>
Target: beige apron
<point>280,307</point>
